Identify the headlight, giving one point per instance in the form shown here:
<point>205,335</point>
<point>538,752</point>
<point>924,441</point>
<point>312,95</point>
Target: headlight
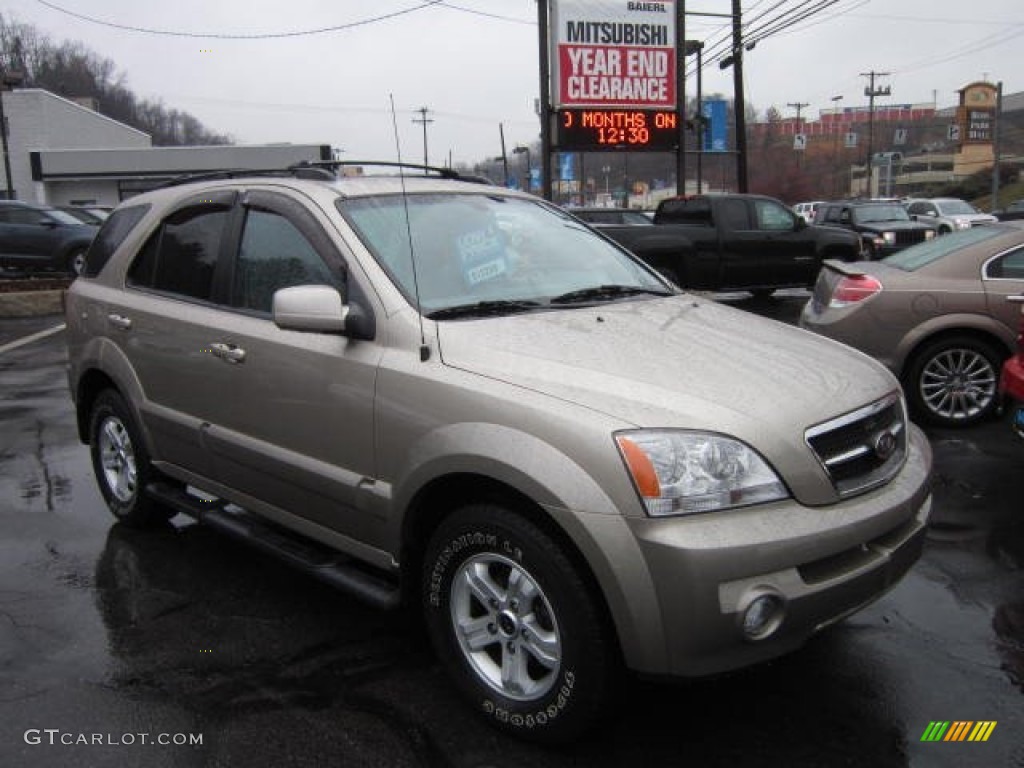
<point>684,473</point>
<point>889,237</point>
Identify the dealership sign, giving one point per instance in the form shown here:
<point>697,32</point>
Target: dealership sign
<point>613,53</point>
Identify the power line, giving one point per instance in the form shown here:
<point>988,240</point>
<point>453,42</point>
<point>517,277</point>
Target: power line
<point>254,36</point>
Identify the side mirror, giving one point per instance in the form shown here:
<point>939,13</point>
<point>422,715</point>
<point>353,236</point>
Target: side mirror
<point>319,309</point>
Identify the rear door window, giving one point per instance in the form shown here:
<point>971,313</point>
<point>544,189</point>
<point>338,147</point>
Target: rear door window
<point>113,232</point>
<point>181,257</point>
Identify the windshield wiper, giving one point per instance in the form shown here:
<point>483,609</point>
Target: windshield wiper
<point>484,309</point>
<point>603,292</point>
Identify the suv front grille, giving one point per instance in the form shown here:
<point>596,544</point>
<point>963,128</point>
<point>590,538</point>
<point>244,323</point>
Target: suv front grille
<point>862,449</point>
<point>910,237</point>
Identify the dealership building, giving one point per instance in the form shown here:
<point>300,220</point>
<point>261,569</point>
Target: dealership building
<point>61,152</point>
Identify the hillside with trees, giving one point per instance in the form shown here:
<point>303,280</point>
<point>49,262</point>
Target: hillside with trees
<point>72,70</point>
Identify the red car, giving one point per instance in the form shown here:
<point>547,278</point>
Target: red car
<point>1012,382</point>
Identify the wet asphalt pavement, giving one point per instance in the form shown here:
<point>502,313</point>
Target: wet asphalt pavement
<point>131,637</point>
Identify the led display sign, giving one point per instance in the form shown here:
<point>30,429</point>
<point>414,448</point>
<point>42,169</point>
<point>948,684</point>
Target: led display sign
<point>587,130</point>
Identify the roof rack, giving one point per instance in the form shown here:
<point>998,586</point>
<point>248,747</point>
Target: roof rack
<point>322,170</point>
<point>227,173</point>
<point>444,173</point>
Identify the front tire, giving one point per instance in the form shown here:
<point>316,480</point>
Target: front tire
<point>516,626</point>
<point>121,463</point>
<point>953,382</point>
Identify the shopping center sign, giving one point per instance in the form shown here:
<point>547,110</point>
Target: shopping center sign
<point>613,53</point>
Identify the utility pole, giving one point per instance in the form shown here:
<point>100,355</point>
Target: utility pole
<point>680,96</point>
<point>871,92</point>
<point>740,104</point>
<point>798,106</point>
<point>423,120</point>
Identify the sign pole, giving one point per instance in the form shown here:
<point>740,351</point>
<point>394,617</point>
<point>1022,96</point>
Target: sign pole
<point>681,96</point>
<point>545,100</point>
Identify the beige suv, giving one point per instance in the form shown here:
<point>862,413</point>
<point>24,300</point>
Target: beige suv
<point>427,390</point>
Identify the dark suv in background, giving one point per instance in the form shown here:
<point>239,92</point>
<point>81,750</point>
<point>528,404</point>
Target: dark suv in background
<point>884,227</point>
<point>39,237</point>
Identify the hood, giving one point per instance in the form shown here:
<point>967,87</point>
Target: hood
<point>974,218</point>
<point>680,361</point>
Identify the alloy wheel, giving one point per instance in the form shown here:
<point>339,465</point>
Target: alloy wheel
<point>505,627</point>
<point>958,384</point>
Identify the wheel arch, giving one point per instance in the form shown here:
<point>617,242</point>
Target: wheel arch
<point>981,328</point>
<point>632,617</point>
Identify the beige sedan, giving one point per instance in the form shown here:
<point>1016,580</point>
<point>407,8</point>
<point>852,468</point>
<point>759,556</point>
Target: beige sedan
<point>935,314</point>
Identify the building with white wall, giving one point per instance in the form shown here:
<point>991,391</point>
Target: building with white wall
<point>63,153</point>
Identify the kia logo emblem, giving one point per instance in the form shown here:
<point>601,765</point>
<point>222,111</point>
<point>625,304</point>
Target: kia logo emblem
<point>884,445</point>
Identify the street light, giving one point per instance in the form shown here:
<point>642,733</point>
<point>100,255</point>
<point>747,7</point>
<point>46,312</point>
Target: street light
<point>519,150</point>
<point>8,79</point>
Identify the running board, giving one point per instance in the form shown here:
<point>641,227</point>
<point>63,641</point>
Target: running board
<point>308,556</point>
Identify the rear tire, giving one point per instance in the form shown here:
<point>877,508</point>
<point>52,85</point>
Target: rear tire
<point>953,381</point>
<point>516,626</point>
<point>121,463</point>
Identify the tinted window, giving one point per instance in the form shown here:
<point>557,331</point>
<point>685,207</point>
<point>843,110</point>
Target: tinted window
<point>689,211</point>
<point>1009,266</point>
<point>113,232</point>
<point>180,258</point>
<point>733,214</point>
<point>273,255</point>
<point>14,215</point>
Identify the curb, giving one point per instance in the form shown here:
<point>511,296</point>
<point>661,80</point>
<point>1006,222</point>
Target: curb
<point>31,303</point>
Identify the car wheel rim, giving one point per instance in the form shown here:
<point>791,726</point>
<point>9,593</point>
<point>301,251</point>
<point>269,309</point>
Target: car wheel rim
<point>78,262</point>
<point>505,627</point>
<point>117,457</point>
<point>958,384</point>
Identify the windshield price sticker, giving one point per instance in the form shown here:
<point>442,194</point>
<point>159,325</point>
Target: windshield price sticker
<point>483,255</point>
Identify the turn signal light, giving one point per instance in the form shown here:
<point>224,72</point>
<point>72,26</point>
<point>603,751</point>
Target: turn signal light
<point>854,288</point>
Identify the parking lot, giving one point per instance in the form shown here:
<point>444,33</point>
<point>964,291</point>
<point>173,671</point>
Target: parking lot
<point>141,638</point>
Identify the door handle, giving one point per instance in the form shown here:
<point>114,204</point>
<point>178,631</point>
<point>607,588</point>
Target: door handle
<point>120,321</point>
<point>228,352</point>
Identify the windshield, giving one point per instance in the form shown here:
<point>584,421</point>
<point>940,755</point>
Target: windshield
<point>921,255</point>
<point>474,248</point>
<point>955,207</point>
<point>883,212</point>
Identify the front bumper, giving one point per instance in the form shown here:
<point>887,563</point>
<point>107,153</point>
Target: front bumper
<point>821,564</point>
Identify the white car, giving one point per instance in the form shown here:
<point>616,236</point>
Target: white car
<point>948,214</point>
<point>807,210</point>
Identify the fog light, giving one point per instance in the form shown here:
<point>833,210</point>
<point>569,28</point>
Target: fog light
<point>763,616</point>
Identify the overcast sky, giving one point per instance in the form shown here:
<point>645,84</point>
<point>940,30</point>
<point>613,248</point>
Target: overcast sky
<point>474,63</point>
